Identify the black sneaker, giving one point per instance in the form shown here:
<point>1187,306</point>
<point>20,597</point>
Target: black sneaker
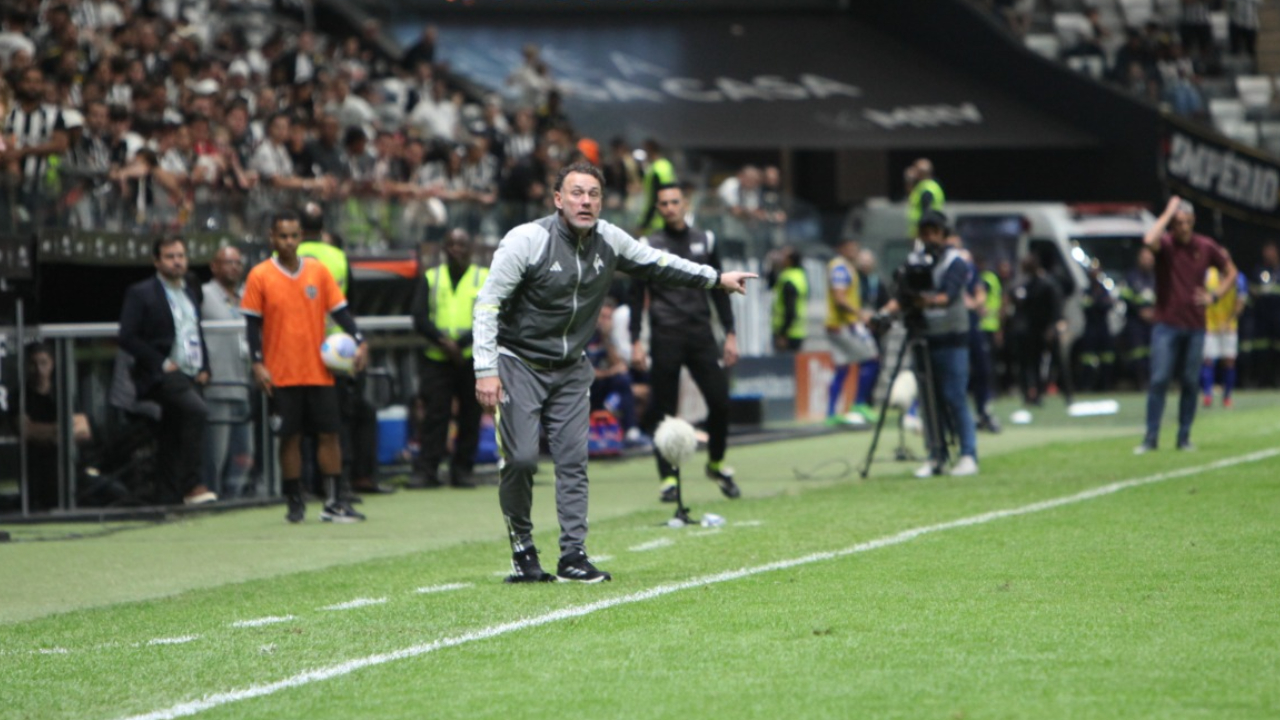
<point>575,567</point>
<point>525,568</point>
<point>670,490</point>
<point>340,512</point>
<point>297,509</point>
<point>724,478</point>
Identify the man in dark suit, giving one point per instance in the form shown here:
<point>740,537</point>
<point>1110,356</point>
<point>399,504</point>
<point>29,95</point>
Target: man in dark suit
<point>160,328</point>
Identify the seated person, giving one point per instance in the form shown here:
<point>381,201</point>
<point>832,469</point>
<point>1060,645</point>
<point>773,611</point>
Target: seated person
<point>41,428</point>
<point>611,389</point>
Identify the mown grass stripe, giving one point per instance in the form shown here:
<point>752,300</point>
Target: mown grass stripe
<point>215,700</point>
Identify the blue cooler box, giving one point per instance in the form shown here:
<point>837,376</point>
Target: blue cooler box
<point>393,433</point>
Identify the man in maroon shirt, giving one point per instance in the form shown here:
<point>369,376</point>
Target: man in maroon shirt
<point>1177,340</point>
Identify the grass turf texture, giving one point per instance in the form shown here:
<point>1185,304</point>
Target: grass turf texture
<point>1158,601</point>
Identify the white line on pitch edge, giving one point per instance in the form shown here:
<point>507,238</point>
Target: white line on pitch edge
<point>208,702</point>
<point>601,558</point>
<point>652,545</point>
<point>442,588</point>
<point>748,523</point>
<point>173,640</point>
<point>357,603</point>
<point>259,622</point>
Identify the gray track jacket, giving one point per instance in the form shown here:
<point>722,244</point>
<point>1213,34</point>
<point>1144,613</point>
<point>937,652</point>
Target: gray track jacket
<point>546,287</point>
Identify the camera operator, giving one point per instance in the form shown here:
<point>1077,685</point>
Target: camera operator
<point>930,292</point>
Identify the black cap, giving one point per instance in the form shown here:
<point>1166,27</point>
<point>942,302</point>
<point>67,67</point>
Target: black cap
<point>932,218</point>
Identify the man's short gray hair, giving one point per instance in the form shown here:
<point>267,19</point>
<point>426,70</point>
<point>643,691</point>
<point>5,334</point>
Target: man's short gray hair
<point>1186,207</point>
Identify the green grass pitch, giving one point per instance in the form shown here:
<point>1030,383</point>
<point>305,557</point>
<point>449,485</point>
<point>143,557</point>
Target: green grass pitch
<point>887,597</point>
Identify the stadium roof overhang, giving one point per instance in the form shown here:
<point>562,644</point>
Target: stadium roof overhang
<point>819,81</point>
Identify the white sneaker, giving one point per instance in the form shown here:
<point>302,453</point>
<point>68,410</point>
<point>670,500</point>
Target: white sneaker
<point>965,466</point>
<point>912,424</point>
<point>925,471</point>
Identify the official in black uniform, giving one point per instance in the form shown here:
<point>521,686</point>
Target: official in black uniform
<point>680,335</point>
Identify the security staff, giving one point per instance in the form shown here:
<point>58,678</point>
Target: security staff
<point>987,344</point>
<point>790,294</point>
<point>442,311</point>
<point>1097,351</point>
<point>681,336</point>
<point>359,433</point>
<point>925,193</point>
<point>658,172</point>
<point>1139,296</point>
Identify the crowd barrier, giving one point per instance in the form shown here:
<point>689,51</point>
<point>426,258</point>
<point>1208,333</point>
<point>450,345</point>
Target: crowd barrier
<point>85,367</point>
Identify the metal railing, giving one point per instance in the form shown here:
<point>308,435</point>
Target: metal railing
<point>82,359</point>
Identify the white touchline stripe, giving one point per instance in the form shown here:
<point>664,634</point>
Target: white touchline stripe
<point>173,640</point>
<point>703,533</point>
<point>652,545</point>
<point>443,588</point>
<point>209,702</point>
<point>601,558</point>
<point>748,523</point>
<point>357,603</point>
<point>259,622</point>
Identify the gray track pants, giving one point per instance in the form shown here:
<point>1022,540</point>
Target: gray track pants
<point>557,400</point>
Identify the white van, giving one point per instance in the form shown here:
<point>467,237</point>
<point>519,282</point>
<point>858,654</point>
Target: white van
<point>1064,237</point>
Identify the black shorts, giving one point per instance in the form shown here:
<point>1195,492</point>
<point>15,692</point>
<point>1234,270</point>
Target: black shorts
<point>307,409</point>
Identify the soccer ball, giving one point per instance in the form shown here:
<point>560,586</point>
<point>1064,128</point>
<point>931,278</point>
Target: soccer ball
<point>676,440</point>
<point>338,352</point>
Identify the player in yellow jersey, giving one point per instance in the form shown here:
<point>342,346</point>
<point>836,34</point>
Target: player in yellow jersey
<point>1221,340</point>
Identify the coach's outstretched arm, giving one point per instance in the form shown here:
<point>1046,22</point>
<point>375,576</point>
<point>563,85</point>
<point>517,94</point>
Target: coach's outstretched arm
<point>661,267</point>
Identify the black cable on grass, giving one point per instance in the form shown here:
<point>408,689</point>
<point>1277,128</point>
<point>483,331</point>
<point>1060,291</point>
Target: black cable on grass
<point>816,472</point>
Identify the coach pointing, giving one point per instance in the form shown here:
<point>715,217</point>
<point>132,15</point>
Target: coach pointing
<point>533,318</point>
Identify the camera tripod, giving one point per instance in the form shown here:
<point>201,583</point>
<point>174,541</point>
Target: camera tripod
<point>933,426</point>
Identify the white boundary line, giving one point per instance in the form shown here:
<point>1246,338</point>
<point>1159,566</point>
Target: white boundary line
<point>442,588</point>
<point>174,640</point>
<point>357,603</point>
<point>259,622</point>
<point>652,545</point>
<point>209,702</point>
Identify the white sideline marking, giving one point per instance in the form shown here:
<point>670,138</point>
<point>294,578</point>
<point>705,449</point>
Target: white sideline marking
<point>173,640</point>
<point>443,588</point>
<point>652,545</point>
<point>600,558</point>
<point>214,700</point>
<point>259,622</point>
<point>704,533</point>
<point>748,523</point>
<point>357,603</point>
<point>53,651</point>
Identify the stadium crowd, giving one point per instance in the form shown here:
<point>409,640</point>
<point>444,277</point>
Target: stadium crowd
<point>198,115</point>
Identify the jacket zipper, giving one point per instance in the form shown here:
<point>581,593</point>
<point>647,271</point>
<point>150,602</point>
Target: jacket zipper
<point>564,339</point>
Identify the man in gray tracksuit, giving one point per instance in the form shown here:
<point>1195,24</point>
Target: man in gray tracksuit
<point>533,319</point>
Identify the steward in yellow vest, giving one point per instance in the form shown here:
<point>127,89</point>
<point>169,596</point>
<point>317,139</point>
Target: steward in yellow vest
<point>926,194</point>
<point>790,298</point>
<point>442,311</point>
